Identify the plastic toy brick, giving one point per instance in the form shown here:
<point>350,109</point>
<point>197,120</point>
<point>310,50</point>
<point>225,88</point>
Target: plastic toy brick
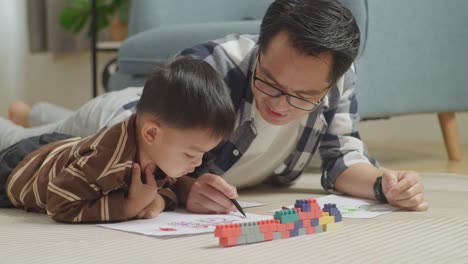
<point>290,226</point>
<point>302,231</point>
<point>294,232</point>
<point>298,224</point>
<point>249,228</point>
<point>318,229</point>
<point>241,240</point>
<point>333,227</point>
<point>286,215</point>
<point>228,230</point>
<point>326,219</point>
<point>306,218</point>
<point>314,222</point>
<point>268,226</point>
<point>277,236</point>
<point>304,205</point>
<point>281,227</point>
<point>332,210</point>
<point>268,236</point>
<point>228,241</point>
<point>285,234</point>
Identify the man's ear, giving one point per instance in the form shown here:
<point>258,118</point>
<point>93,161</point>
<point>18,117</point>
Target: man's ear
<point>150,130</point>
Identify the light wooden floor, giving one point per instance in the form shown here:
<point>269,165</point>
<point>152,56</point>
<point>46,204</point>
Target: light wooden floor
<point>421,156</point>
<point>418,156</point>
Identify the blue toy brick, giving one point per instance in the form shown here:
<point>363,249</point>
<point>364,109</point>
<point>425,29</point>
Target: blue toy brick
<point>303,204</point>
<point>277,236</point>
<point>286,216</point>
<point>338,218</point>
<point>302,231</point>
<point>314,222</point>
<point>333,211</point>
<point>294,233</point>
<point>298,224</point>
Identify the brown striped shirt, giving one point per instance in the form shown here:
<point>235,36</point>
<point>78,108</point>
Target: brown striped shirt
<point>82,180</point>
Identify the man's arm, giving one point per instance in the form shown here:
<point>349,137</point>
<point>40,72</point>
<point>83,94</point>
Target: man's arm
<point>347,167</point>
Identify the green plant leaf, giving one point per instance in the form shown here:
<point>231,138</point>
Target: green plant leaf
<point>77,13</point>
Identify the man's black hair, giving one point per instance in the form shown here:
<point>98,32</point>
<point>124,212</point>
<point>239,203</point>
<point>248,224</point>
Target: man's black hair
<point>314,27</point>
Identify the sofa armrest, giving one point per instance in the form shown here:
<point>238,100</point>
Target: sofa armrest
<point>139,54</point>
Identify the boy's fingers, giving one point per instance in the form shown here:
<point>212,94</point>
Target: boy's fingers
<point>136,174</point>
<point>141,214</point>
<point>149,175</point>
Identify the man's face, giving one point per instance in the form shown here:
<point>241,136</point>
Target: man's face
<point>304,77</point>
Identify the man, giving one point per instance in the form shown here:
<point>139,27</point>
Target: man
<point>294,91</point>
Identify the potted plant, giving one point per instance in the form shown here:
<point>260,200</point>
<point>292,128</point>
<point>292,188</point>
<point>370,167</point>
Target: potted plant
<point>114,13</point>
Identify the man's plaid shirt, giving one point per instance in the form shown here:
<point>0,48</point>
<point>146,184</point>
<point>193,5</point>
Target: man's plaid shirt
<point>331,128</point>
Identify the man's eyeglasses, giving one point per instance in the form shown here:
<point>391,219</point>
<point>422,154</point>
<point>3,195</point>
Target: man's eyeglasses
<point>270,90</point>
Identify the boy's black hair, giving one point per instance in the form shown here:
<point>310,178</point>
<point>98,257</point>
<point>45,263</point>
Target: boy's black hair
<point>187,93</point>
<point>313,27</point>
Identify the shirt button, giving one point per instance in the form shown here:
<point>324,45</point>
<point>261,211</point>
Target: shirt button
<point>235,152</point>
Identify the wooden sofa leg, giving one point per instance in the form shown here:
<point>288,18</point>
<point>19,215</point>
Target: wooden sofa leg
<point>448,125</point>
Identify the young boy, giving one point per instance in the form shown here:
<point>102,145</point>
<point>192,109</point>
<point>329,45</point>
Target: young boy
<point>185,110</point>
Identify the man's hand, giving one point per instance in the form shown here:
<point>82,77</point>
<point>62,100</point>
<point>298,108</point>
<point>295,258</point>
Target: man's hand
<point>140,195</point>
<point>211,194</point>
<point>404,189</point>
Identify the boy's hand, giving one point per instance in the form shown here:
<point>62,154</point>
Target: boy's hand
<point>153,209</point>
<point>140,195</point>
<point>404,189</point>
<point>211,194</point>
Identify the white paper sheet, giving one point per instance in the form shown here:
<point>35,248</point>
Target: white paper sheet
<point>180,222</point>
<point>249,204</point>
<point>354,207</point>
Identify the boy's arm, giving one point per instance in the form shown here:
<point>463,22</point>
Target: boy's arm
<point>72,198</point>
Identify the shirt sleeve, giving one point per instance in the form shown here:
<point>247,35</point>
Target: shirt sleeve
<point>72,197</point>
<point>341,145</point>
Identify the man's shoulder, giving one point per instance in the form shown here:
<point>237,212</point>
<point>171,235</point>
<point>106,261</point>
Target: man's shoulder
<point>234,46</point>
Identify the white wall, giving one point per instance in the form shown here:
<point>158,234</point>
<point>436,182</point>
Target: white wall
<point>63,79</point>
<point>66,80</point>
<point>12,52</point>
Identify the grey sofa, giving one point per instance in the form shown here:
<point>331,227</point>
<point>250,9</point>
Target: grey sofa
<point>413,56</point>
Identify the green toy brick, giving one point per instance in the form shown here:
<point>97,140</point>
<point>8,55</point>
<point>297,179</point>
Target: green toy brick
<point>286,216</point>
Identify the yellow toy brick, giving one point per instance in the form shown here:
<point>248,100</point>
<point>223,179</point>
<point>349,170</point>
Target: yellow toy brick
<point>326,219</point>
<point>332,227</point>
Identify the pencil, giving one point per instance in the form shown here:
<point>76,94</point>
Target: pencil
<point>234,201</point>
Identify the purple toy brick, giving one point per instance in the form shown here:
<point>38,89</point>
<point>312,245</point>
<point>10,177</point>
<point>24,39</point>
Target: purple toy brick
<point>314,222</point>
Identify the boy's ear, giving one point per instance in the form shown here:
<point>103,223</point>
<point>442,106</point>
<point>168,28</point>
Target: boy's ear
<point>150,130</point>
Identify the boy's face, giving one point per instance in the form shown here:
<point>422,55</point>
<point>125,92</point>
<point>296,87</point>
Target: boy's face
<point>178,152</point>
<point>304,78</point>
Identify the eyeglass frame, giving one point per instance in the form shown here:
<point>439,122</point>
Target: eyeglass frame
<point>287,95</point>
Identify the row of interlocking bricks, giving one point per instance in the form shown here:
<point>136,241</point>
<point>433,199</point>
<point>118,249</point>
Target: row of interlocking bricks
<point>305,218</point>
